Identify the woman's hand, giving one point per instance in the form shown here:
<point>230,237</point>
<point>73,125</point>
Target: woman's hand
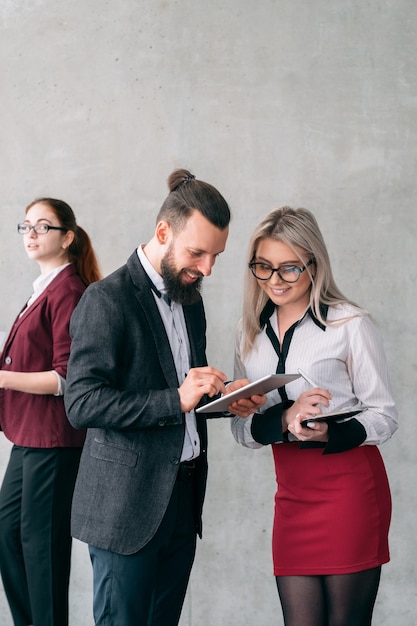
<point>304,407</point>
<point>245,406</point>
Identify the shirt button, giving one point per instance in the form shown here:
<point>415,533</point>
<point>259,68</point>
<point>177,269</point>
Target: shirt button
<point>8,360</point>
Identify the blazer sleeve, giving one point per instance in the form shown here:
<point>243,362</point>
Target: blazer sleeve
<point>61,303</point>
<point>115,379</point>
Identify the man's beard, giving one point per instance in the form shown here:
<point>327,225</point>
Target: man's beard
<point>176,289</point>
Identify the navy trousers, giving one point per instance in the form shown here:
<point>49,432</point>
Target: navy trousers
<point>35,540</point>
<point>148,588</point>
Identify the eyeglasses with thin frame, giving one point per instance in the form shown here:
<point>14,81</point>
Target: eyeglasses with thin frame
<point>287,273</point>
<point>39,229</point>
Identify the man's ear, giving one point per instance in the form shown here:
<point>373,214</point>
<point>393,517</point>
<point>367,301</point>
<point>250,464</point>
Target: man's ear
<point>163,232</point>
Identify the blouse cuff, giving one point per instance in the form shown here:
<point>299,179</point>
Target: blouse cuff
<point>61,384</point>
<point>266,427</point>
<point>344,436</point>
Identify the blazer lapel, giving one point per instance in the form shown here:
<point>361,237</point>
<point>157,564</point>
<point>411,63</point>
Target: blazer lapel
<point>67,271</point>
<point>146,301</point>
<point>194,318</point>
<point>195,321</point>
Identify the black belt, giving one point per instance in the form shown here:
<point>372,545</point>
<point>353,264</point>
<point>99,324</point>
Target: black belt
<point>186,470</point>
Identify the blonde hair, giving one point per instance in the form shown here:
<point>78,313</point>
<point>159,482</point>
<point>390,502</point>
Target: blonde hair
<point>297,228</point>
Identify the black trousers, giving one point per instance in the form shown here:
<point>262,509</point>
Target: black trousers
<point>35,540</point>
<point>148,588</point>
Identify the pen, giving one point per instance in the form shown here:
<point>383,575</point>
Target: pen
<point>310,381</point>
<point>307,379</point>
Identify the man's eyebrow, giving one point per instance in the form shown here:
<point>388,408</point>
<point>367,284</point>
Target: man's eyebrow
<point>196,249</point>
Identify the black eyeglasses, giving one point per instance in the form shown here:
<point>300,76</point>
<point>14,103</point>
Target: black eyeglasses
<point>39,229</point>
<point>287,273</point>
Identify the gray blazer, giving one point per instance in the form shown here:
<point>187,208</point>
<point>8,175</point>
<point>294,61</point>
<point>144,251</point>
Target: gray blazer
<point>122,386</point>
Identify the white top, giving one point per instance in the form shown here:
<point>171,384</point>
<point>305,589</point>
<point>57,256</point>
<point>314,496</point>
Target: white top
<point>347,359</point>
<point>172,316</point>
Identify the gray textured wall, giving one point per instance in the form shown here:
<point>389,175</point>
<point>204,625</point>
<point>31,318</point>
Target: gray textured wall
<point>275,102</point>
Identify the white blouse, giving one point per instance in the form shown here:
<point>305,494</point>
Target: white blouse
<point>347,359</point>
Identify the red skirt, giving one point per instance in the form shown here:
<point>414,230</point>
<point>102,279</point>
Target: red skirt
<point>332,512</point>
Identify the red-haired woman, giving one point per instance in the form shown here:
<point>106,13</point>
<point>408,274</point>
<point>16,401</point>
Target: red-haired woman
<point>36,494</point>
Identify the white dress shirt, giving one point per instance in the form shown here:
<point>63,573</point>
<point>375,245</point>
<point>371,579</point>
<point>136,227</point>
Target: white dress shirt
<point>347,359</point>
<point>172,316</point>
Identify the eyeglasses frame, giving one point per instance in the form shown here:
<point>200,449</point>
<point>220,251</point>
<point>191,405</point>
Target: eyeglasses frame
<point>300,270</point>
<point>35,226</point>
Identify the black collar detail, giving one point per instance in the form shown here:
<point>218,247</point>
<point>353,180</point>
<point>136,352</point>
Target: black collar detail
<point>267,311</point>
<point>270,307</point>
<point>152,286</point>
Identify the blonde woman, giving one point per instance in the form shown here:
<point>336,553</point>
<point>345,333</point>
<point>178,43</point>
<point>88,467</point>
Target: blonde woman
<point>333,505</point>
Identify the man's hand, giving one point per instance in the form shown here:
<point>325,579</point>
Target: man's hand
<point>199,382</point>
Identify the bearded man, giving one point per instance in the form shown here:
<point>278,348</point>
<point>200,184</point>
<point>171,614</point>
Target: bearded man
<point>136,373</point>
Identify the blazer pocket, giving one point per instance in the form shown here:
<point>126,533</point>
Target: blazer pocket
<point>113,454</point>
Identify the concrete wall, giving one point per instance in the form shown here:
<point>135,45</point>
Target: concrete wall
<point>275,102</point>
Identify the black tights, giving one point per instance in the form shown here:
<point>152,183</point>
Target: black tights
<point>337,600</point>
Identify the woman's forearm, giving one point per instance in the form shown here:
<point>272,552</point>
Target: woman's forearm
<point>42,383</point>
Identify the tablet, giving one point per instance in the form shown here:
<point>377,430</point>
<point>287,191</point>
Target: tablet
<point>336,415</point>
<point>258,387</point>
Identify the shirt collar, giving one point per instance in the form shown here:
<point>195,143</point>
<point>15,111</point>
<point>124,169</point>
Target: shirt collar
<point>324,308</point>
<point>270,307</point>
<point>44,280</point>
<point>156,281</point>
<point>41,283</point>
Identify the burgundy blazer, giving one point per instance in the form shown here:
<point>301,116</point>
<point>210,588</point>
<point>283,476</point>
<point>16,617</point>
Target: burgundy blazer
<point>39,341</point>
